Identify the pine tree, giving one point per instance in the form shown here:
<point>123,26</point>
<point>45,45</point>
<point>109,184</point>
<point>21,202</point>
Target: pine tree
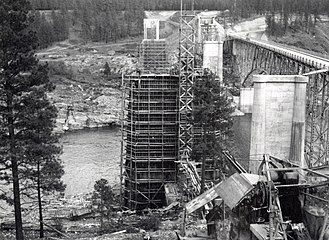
<point>26,115</point>
<point>107,70</point>
<point>140,15</point>
<point>103,198</point>
<point>60,25</point>
<point>211,119</point>
<point>86,24</point>
<point>44,31</point>
<point>65,19</point>
<point>42,170</point>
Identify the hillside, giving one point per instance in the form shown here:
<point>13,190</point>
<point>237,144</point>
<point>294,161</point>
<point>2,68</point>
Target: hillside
<point>316,41</point>
<point>81,85</point>
<point>84,95</point>
<point>77,69</point>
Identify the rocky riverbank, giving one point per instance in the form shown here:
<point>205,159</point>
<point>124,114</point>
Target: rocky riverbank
<point>86,108</point>
<point>85,96</point>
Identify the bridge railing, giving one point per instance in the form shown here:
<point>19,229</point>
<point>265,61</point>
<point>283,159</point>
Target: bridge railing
<point>313,61</point>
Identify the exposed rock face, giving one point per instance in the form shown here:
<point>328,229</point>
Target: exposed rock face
<point>90,108</point>
<point>85,96</point>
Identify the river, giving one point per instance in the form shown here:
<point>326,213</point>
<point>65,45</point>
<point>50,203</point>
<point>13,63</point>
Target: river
<point>89,155</point>
<point>92,154</point>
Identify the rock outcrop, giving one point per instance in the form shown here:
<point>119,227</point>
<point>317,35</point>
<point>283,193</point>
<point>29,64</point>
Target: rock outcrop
<point>87,109</point>
<point>85,96</point>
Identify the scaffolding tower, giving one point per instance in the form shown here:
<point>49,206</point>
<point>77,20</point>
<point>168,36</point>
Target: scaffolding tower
<point>157,114</point>
<point>154,57</point>
<point>150,137</point>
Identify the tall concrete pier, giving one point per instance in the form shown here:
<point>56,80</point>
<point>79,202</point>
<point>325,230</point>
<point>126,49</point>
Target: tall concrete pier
<point>213,57</point>
<point>278,118</point>
<point>211,35</point>
<point>246,100</point>
<point>152,29</point>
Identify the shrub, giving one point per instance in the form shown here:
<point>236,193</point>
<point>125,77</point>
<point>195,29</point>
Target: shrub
<point>59,68</point>
<point>150,223</point>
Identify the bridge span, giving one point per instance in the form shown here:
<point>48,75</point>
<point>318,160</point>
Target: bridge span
<point>253,57</point>
<point>306,57</point>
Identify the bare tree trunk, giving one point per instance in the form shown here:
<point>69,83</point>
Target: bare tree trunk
<point>204,156</point>
<point>40,203</point>
<point>203,170</point>
<point>17,200</point>
<point>102,216</point>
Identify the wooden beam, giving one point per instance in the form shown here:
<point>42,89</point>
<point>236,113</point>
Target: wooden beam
<point>232,191</point>
<point>315,197</point>
<point>316,72</point>
<point>54,229</point>
<point>284,169</point>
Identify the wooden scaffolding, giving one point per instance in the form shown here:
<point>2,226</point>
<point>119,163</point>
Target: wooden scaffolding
<point>150,137</point>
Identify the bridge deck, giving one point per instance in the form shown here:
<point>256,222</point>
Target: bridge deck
<point>304,57</point>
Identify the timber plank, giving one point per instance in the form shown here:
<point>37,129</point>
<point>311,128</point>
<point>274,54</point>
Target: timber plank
<point>232,191</point>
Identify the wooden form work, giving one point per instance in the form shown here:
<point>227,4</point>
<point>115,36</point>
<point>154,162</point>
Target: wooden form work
<point>261,232</point>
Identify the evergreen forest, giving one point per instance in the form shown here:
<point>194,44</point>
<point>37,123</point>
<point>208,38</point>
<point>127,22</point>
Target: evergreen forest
<point>110,20</point>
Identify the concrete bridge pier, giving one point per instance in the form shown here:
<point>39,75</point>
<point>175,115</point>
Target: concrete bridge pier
<point>213,57</point>
<point>297,144</point>
<point>246,99</point>
<point>278,118</point>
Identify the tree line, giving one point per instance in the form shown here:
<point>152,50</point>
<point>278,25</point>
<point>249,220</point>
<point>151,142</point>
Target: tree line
<point>282,14</point>
<point>123,5</point>
<point>51,28</point>
<point>93,20</point>
<point>241,6</point>
<point>300,15</point>
<point>109,20</point>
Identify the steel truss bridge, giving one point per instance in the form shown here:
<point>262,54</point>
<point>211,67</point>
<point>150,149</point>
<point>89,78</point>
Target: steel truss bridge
<point>259,57</point>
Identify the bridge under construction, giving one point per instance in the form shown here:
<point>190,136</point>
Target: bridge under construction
<point>157,109</point>
<point>286,90</point>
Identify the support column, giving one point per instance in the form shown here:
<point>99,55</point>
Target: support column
<point>278,119</point>
<point>297,144</point>
<point>246,100</point>
<point>157,30</point>
<point>213,57</point>
<point>234,48</point>
<point>154,26</point>
<point>258,136</point>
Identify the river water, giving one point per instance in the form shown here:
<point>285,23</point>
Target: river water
<point>89,155</point>
<point>92,154</point>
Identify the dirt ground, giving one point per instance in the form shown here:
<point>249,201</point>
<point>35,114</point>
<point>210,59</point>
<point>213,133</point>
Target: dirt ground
<point>156,224</point>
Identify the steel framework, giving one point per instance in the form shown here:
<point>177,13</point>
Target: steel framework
<point>187,50</point>
<point>253,57</point>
